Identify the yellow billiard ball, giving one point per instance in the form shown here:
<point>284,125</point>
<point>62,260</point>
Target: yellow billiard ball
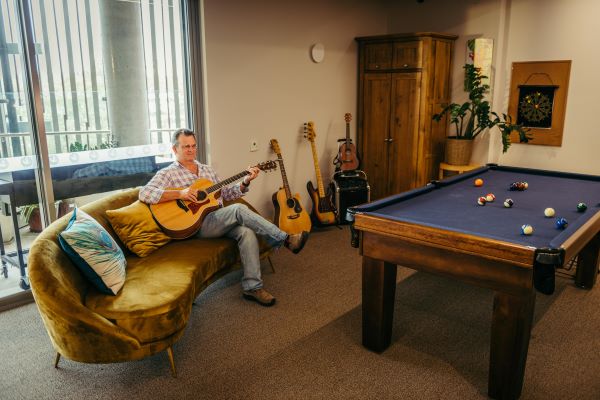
<point>527,229</point>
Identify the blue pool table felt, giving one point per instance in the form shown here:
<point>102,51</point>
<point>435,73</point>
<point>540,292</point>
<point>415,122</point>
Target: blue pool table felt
<point>454,207</point>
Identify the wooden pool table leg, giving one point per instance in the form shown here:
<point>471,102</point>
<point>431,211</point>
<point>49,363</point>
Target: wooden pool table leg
<point>587,264</point>
<point>378,291</point>
<point>511,328</point>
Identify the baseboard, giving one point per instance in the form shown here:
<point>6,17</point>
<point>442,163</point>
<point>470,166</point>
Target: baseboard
<point>16,300</point>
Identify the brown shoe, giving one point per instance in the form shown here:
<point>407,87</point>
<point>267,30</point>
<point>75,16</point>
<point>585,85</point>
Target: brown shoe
<point>261,296</point>
<point>296,242</point>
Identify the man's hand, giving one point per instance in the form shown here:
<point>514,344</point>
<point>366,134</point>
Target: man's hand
<point>253,173</point>
<point>188,194</point>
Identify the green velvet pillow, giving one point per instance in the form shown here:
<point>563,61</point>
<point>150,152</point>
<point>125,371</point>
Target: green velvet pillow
<point>137,229</point>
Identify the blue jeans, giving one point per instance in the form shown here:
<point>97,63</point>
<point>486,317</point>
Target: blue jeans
<point>238,222</point>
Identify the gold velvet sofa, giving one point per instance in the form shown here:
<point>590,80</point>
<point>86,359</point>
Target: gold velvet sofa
<point>150,312</point>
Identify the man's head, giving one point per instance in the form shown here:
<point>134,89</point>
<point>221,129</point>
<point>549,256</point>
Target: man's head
<point>184,145</point>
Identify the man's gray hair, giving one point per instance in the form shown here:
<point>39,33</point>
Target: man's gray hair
<point>179,132</point>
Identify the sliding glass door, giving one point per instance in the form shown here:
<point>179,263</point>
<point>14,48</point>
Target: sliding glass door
<point>110,78</point>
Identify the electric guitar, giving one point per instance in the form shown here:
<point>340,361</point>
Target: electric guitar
<point>347,157</point>
<point>290,216</point>
<point>180,219</point>
<point>323,210</point>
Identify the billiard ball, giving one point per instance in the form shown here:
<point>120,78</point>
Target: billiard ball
<point>581,207</point>
<point>526,229</point>
<point>549,212</point>
<point>561,223</point>
<point>490,197</point>
<point>478,182</point>
<point>518,186</point>
<point>481,201</point>
<point>508,203</point>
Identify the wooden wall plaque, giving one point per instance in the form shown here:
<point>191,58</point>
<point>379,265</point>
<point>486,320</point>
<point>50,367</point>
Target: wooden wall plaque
<point>538,99</point>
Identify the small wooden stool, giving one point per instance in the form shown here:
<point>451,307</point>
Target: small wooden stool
<point>456,168</point>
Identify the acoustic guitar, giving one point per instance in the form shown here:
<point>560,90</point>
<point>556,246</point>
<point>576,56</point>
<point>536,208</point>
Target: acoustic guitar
<point>180,219</point>
<point>348,156</point>
<point>290,216</point>
<point>323,211</point>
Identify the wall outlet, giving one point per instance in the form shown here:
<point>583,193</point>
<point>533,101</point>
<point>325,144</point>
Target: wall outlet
<point>253,145</point>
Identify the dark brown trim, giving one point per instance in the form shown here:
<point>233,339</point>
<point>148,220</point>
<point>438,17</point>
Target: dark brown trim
<point>16,300</point>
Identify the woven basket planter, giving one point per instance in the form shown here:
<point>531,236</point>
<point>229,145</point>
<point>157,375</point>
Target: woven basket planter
<point>458,151</point>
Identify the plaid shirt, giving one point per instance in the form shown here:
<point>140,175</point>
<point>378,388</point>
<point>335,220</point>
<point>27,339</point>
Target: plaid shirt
<point>177,176</point>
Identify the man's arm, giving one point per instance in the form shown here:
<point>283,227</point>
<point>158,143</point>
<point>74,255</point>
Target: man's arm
<point>155,191</point>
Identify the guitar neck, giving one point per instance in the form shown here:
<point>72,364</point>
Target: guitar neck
<point>320,187</point>
<point>226,182</point>
<point>286,185</point>
<point>347,134</point>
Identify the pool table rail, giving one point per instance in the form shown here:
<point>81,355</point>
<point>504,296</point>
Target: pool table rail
<point>484,247</point>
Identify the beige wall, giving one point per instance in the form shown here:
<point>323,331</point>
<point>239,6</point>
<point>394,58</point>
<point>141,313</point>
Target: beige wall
<point>561,30</point>
<point>262,84</point>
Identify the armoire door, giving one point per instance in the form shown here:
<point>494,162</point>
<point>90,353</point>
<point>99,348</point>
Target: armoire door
<point>403,135</point>
<point>374,141</point>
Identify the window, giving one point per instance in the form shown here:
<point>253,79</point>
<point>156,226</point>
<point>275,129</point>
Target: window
<point>113,85</point>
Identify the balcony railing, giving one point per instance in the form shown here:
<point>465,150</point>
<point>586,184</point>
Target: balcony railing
<point>21,144</point>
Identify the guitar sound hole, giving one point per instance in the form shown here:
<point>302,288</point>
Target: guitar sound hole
<point>290,203</point>
<point>201,196</point>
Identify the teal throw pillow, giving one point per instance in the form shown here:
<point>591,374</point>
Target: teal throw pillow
<point>94,252</point>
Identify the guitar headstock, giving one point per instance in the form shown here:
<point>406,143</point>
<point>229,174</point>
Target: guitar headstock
<point>275,146</point>
<point>269,165</point>
<point>309,131</point>
<point>348,117</point>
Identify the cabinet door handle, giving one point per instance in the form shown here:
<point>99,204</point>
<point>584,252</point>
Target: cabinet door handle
<point>405,65</point>
<point>389,140</point>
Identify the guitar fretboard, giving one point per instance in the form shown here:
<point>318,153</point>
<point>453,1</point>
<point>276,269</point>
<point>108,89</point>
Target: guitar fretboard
<point>320,187</point>
<point>226,182</point>
<point>347,134</point>
<point>286,185</point>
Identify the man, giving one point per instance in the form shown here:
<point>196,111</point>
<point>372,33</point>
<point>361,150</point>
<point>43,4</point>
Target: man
<point>235,221</point>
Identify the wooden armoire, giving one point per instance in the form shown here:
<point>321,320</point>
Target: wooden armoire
<point>404,79</point>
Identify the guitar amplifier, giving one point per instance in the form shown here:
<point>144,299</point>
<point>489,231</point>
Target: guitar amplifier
<point>349,188</point>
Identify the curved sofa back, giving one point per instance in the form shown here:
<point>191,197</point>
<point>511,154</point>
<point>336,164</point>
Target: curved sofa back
<point>59,291</point>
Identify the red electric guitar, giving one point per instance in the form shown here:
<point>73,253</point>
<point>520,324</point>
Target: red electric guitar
<point>347,157</point>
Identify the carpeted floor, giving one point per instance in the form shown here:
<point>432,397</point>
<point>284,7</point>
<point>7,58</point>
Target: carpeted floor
<point>309,345</point>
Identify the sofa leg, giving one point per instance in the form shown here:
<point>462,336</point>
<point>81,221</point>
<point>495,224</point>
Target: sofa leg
<point>271,264</point>
<point>172,362</point>
<point>57,360</point>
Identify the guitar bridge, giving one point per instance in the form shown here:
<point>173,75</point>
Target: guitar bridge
<point>293,216</point>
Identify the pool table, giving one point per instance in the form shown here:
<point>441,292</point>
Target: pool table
<point>440,228</point>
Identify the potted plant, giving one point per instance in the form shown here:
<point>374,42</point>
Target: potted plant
<point>31,214</point>
<point>473,117</point>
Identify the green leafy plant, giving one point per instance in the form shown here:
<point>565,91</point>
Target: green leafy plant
<point>27,210</point>
<point>78,146</point>
<point>474,116</point>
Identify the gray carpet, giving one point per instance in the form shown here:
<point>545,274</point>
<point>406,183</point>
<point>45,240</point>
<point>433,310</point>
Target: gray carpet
<point>309,345</point>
